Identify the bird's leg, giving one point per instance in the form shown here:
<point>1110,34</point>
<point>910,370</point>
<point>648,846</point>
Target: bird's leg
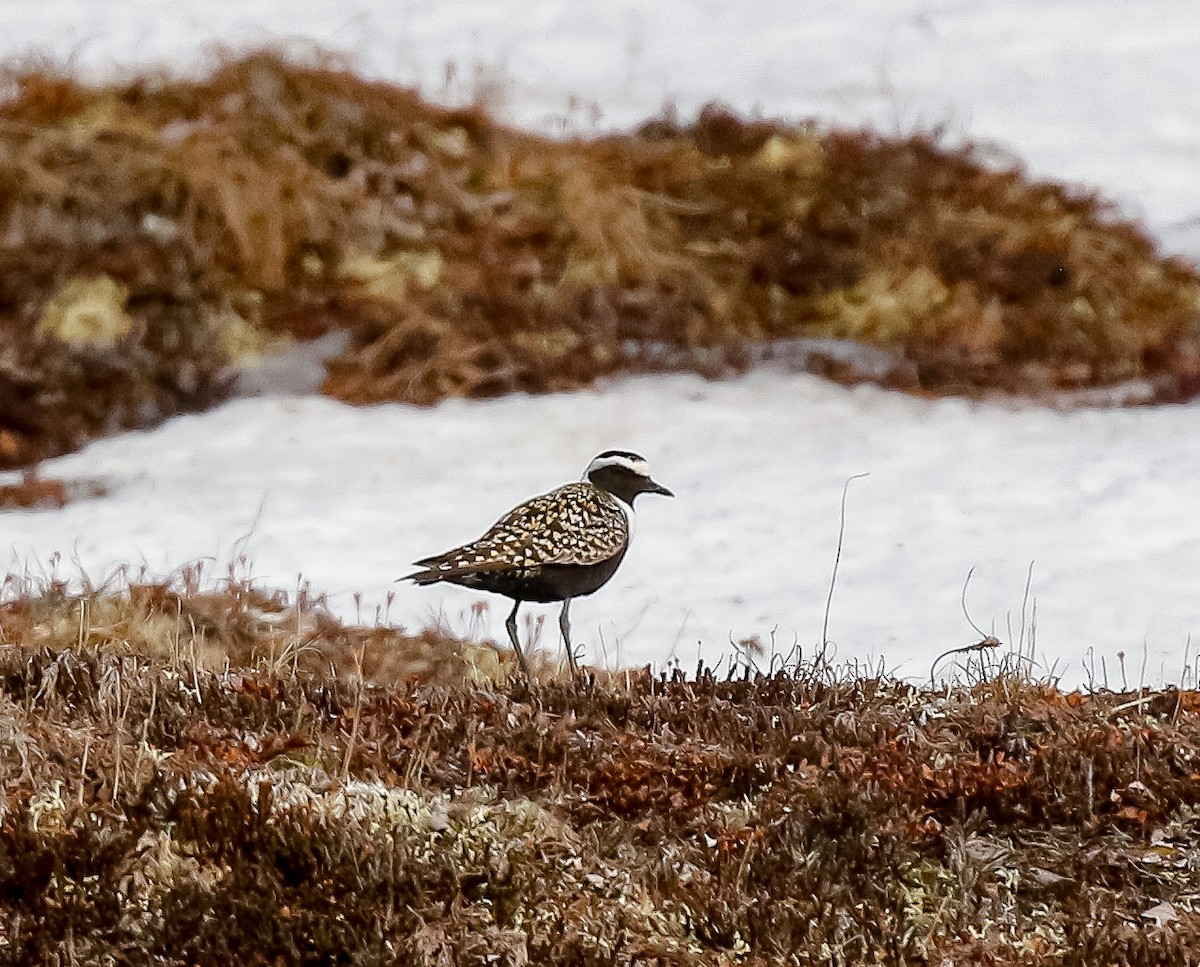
<point>564,625</point>
<point>511,625</point>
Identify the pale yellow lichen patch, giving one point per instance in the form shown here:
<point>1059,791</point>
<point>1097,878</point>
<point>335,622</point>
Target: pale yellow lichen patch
<point>453,143</point>
<point>548,345</point>
<point>47,809</point>
<point>239,339</point>
<point>798,154</point>
<point>108,115</point>
<point>391,278</point>
<point>885,306</point>
<point>87,312</point>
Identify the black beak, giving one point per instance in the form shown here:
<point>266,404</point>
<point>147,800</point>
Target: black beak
<point>653,487</point>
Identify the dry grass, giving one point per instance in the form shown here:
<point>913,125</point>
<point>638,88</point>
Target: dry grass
<point>32,491</point>
<point>240,626</point>
<point>162,802</point>
<point>158,230</point>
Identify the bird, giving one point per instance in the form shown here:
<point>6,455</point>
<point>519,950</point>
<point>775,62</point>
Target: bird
<point>555,547</point>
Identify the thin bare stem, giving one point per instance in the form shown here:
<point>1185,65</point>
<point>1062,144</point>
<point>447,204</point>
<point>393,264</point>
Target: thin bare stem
<point>837,559</point>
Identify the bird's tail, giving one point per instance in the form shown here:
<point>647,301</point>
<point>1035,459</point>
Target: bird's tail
<point>423,576</point>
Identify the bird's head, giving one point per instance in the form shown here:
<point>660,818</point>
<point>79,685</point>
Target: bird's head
<point>623,474</point>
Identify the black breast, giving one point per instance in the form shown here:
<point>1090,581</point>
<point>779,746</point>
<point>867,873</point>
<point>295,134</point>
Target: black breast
<point>547,582</point>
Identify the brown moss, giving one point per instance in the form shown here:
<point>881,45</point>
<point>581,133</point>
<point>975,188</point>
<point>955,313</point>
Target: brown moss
<point>468,259</point>
<point>161,802</point>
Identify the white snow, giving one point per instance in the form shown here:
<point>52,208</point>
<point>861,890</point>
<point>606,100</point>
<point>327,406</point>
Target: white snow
<point>1100,500</point>
<point>1091,91</point>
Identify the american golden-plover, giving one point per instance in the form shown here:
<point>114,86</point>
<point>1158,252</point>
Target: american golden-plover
<point>556,547</point>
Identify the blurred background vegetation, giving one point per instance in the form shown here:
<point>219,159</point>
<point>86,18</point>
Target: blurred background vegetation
<point>160,232</point>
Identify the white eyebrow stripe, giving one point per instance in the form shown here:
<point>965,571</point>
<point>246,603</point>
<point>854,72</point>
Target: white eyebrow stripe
<point>638,466</point>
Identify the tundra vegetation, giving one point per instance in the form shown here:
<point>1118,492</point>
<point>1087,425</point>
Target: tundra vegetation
<point>204,777</point>
<point>161,231</point>
<point>209,776</point>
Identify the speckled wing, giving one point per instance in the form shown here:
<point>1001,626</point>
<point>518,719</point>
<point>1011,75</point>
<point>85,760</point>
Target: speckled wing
<point>576,524</point>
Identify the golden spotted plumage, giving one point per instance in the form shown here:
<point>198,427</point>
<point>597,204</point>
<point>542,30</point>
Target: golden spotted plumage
<point>577,524</point>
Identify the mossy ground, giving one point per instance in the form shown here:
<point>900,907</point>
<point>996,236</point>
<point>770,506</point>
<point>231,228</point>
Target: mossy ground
<point>205,778</point>
<point>158,231</point>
